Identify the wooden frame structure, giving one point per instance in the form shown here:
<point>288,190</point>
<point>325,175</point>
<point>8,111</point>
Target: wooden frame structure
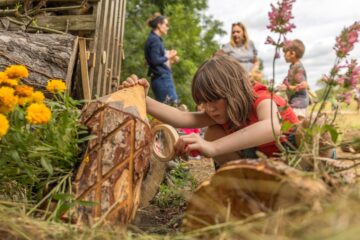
<point>100,31</point>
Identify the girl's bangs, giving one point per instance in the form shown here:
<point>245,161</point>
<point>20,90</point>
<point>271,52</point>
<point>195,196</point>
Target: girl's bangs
<point>204,89</point>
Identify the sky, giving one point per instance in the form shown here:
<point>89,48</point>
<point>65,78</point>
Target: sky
<point>317,22</point>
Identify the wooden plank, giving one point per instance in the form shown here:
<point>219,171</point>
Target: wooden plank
<point>122,28</point>
<point>114,44</point>
<point>84,69</point>
<point>99,69</point>
<point>71,65</point>
<point>109,50</point>
<point>60,23</point>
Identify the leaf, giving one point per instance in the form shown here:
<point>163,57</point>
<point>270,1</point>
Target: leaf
<point>333,132</point>
<point>87,138</point>
<point>47,165</point>
<point>63,196</point>
<point>286,126</point>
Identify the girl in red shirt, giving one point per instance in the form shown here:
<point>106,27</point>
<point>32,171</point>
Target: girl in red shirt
<point>240,115</point>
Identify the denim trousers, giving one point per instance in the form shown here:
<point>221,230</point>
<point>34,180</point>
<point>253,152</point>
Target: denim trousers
<point>163,88</point>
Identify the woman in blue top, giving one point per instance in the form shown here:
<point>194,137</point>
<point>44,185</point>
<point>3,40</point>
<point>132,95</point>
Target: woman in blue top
<point>158,58</point>
<point>242,48</point>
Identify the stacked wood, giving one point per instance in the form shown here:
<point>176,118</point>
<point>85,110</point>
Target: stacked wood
<point>117,159</point>
<point>46,56</point>
<point>99,22</point>
<point>245,187</point>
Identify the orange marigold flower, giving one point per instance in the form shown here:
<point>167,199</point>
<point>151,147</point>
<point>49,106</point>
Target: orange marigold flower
<point>38,113</point>
<point>4,125</point>
<point>7,99</point>
<point>10,82</point>
<point>17,71</point>
<point>23,101</point>
<point>24,91</point>
<point>56,86</point>
<point>3,77</point>
<point>38,97</point>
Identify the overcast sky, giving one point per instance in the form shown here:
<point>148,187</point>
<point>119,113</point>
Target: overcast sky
<point>317,22</point>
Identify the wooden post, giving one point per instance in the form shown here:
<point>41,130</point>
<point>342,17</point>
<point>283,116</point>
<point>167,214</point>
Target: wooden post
<point>84,69</point>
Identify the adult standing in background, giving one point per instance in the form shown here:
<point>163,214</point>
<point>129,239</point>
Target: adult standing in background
<point>158,60</point>
<point>242,48</point>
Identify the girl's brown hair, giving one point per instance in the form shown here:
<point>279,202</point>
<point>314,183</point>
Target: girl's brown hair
<point>246,36</point>
<point>223,77</point>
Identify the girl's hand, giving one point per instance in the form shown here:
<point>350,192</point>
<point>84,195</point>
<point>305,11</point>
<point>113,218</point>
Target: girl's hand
<point>134,80</point>
<point>192,143</point>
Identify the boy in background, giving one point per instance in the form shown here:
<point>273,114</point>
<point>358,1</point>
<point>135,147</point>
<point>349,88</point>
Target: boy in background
<point>295,84</point>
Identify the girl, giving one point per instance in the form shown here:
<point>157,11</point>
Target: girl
<point>238,113</point>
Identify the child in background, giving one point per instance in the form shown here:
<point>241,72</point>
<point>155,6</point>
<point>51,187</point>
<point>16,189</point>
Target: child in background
<point>295,84</point>
<point>238,113</point>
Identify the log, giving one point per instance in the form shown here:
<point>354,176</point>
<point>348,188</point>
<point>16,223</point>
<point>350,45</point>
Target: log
<point>46,56</point>
<point>245,187</point>
<point>116,160</point>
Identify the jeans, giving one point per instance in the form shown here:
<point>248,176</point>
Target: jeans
<point>163,88</point>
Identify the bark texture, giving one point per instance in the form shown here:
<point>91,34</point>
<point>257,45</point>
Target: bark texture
<point>117,160</point>
<point>45,55</point>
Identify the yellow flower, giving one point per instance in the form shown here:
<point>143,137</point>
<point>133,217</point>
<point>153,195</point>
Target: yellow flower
<point>56,86</point>
<point>38,97</point>
<point>10,82</point>
<point>23,101</point>
<point>3,77</point>
<point>38,113</point>
<point>7,99</point>
<point>4,125</point>
<point>24,91</point>
<point>17,71</point>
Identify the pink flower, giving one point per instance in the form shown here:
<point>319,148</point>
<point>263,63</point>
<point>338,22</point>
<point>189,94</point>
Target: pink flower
<point>345,42</point>
<point>269,40</point>
<point>280,17</point>
<point>341,80</point>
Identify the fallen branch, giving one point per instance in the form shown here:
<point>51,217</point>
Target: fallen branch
<point>45,29</point>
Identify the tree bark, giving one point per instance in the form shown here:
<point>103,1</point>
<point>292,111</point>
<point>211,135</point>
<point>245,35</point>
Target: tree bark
<point>47,56</point>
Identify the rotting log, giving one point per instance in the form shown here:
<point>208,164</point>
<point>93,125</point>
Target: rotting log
<point>116,160</point>
<point>45,55</point>
<point>245,187</point>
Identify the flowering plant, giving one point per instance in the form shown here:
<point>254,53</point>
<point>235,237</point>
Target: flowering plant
<point>39,137</point>
<point>344,76</point>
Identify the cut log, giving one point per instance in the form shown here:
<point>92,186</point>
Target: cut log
<point>246,187</point>
<point>117,160</point>
<point>46,56</point>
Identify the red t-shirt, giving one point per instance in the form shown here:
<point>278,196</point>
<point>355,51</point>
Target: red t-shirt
<point>286,115</point>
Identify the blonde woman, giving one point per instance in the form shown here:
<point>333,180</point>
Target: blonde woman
<point>242,48</point>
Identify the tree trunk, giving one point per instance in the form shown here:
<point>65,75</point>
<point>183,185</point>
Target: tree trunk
<point>47,56</point>
<point>117,159</point>
<point>246,187</point>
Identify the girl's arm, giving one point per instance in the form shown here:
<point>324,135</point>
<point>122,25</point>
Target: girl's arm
<point>175,117</point>
<point>167,114</point>
<point>251,136</point>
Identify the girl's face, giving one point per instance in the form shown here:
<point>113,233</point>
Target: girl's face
<point>237,34</point>
<point>163,27</point>
<point>217,110</point>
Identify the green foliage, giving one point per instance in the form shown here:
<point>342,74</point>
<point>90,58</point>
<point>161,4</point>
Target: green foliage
<point>191,34</point>
<point>178,181</point>
<point>37,156</point>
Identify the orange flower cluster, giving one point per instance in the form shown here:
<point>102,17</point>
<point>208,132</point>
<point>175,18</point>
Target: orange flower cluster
<point>13,93</point>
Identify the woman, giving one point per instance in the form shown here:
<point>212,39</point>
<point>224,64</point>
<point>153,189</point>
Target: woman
<point>157,59</point>
<point>242,48</point>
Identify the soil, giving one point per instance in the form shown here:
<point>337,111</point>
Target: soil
<point>153,219</point>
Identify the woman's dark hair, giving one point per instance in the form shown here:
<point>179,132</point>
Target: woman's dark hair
<point>155,20</point>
